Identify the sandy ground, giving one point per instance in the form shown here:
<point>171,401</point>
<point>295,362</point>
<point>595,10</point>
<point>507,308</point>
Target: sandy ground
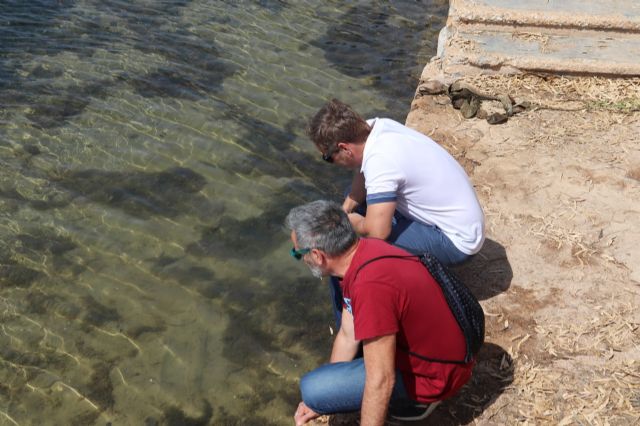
<point>559,275</point>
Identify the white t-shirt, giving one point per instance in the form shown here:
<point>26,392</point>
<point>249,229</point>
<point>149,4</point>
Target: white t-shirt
<point>426,182</point>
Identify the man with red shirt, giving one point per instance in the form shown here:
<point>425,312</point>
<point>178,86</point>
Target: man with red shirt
<point>411,342</point>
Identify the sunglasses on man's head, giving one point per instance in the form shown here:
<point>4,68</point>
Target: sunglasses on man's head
<point>297,254</point>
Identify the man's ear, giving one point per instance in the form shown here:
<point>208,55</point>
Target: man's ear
<point>319,257</point>
<point>344,146</point>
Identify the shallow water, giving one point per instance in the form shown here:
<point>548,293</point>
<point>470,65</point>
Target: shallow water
<point>149,152</point>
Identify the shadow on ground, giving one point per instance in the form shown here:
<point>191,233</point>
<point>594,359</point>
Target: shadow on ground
<point>492,374</point>
<point>489,273</point>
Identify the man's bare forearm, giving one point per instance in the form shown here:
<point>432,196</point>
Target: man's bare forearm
<point>344,348</point>
<point>379,364</point>
<point>377,393</point>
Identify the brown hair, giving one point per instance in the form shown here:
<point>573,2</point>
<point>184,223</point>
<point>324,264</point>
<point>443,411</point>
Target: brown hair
<point>337,122</point>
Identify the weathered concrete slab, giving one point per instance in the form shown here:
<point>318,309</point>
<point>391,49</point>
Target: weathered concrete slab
<point>612,14</point>
<point>559,37</point>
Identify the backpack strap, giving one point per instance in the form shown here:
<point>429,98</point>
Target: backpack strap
<point>388,256</point>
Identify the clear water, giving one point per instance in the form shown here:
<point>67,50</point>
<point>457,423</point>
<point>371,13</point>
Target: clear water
<point>149,152</point>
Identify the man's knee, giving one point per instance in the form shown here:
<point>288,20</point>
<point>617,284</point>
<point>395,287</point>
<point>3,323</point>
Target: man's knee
<point>313,390</point>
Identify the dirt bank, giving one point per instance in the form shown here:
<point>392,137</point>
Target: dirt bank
<point>559,277</point>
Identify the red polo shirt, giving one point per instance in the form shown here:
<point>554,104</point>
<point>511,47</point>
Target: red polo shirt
<point>399,296</point>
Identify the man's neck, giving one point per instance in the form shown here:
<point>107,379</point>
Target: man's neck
<point>339,265</point>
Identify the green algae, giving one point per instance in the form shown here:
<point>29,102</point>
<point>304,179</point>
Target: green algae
<point>168,193</point>
<point>174,416</point>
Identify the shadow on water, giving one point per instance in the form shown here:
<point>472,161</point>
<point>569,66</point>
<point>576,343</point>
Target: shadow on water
<point>143,194</point>
<point>375,42</point>
<point>488,273</point>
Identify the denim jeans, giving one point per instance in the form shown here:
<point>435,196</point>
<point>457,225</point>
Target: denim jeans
<point>418,238</point>
<point>339,387</point>
<point>414,237</point>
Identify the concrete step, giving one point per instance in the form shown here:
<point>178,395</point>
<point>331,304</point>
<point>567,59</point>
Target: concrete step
<point>585,37</point>
<point>614,15</point>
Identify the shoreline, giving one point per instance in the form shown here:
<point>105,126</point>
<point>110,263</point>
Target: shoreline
<point>558,279</point>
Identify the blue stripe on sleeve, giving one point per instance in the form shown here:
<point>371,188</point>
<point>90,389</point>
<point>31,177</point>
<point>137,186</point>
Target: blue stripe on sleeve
<point>381,197</point>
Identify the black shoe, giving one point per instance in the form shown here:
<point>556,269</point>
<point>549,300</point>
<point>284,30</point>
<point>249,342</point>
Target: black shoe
<point>412,412</point>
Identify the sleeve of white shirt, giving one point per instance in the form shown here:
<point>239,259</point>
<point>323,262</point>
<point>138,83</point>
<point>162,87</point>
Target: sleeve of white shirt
<point>382,179</point>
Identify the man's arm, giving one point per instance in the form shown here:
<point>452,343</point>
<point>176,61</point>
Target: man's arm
<point>379,364</point>
<point>345,345</point>
<point>357,195</point>
<point>377,222</point>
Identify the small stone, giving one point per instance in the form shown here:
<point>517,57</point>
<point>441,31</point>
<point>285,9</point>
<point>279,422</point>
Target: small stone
<point>458,102</point>
<point>470,107</point>
<point>497,118</point>
<point>432,87</point>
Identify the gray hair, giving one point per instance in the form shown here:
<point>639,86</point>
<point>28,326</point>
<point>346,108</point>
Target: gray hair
<point>323,225</point>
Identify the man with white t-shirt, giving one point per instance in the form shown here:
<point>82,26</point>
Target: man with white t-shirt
<point>407,189</point>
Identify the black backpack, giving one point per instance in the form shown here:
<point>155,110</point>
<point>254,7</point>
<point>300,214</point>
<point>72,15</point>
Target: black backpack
<point>463,304</point>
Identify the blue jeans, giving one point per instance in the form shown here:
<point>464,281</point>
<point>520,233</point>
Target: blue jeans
<point>339,387</point>
<point>418,238</point>
<point>414,237</point>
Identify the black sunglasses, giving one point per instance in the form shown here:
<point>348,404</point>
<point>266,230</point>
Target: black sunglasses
<point>328,157</point>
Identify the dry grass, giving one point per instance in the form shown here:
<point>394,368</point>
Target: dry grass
<point>557,237</point>
<point>607,333</point>
<point>548,389</point>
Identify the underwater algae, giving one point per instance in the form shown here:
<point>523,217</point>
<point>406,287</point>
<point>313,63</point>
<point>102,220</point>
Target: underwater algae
<point>168,193</point>
<point>380,45</point>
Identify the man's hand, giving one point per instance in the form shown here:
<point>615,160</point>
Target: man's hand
<point>349,204</point>
<point>357,195</point>
<point>304,414</point>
